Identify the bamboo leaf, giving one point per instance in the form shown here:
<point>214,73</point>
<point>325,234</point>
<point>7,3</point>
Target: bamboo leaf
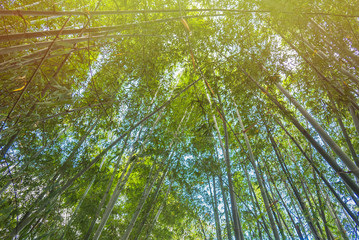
<point>19,89</point>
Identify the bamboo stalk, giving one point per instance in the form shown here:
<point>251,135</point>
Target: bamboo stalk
<point>51,44</point>
<point>333,145</point>
<point>326,182</point>
<point>259,179</point>
<point>65,42</point>
<point>28,219</point>
<point>103,29</point>
<point>315,144</point>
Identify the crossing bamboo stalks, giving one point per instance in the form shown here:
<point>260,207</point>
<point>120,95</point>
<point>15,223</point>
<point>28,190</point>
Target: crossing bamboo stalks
<point>340,171</point>
<point>334,146</point>
<point>27,219</point>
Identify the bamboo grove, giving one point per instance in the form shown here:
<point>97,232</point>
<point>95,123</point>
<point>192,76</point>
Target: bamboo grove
<point>179,119</point>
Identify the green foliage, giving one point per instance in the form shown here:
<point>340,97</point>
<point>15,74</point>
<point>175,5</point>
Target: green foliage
<point>69,98</point>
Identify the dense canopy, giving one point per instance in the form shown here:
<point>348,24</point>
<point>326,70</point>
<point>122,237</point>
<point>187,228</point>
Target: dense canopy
<point>179,119</point>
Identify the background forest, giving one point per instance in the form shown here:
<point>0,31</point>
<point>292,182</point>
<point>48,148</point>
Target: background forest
<point>179,119</point>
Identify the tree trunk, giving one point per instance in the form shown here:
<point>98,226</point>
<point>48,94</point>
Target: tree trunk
<point>331,188</point>
<point>108,188</point>
<point>345,134</point>
<point>158,212</point>
<point>120,185</point>
<point>321,206</point>
<point>145,194</point>
<point>315,144</point>
<point>339,46</point>
<point>228,225</point>
<point>238,234</point>
<point>336,219</point>
<point>355,118</point>
<point>334,62</point>
<point>152,204</point>
<point>269,174</point>
<point>259,179</point>
<point>65,42</point>
<point>216,214</point>
<point>237,225</point>
<point>256,204</point>
<point>296,192</point>
<point>215,208</point>
<point>343,156</point>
